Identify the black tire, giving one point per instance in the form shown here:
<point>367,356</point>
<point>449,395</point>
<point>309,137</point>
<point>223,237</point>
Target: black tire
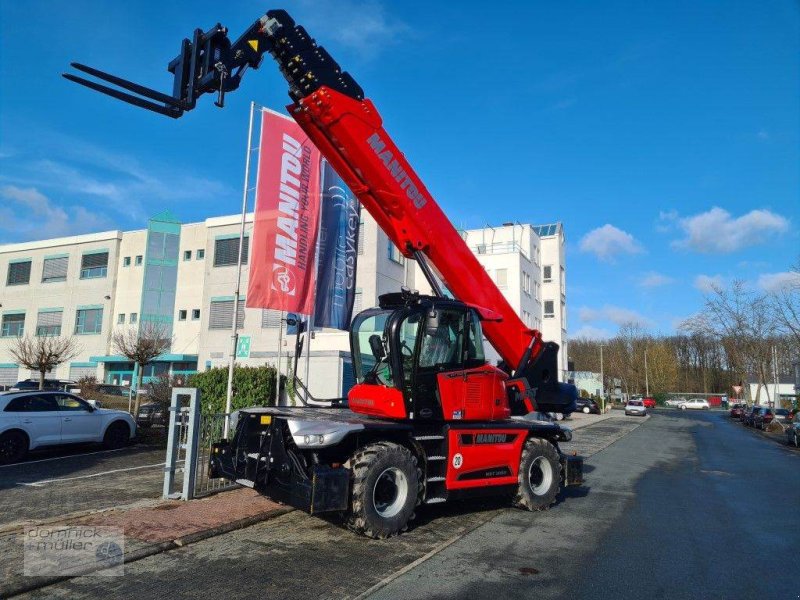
<point>117,435</point>
<point>13,447</point>
<point>387,484</point>
<point>795,440</point>
<point>539,475</point>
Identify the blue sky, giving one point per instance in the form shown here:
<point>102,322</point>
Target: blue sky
<point>665,136</point>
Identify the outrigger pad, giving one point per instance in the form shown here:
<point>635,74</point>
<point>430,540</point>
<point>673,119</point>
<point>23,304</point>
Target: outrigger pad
<point>572,470</point>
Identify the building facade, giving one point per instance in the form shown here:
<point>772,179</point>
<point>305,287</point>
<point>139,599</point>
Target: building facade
<point>182,277</point>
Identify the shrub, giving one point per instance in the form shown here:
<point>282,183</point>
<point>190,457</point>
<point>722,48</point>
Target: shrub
<point>252,386</point>
<point>661,398</point>
<point>90,389</point>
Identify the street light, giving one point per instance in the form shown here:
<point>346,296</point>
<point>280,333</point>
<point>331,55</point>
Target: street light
<point>646,380</point>
<point>602,381</point>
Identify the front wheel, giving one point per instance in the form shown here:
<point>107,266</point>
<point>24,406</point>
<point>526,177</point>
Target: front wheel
<point>13,447</point>
<point>117,435</point>
<point>386,486</point>
<point>586,410</point>
<point>683,408</point>
<point>539,475</point>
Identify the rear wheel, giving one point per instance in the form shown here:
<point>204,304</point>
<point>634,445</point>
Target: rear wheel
<point>13,447</point>
<point>117,435</point>
<point>539,475</point>
<point>386,485</point>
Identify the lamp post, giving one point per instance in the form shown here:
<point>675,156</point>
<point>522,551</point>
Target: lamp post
<point>646,380</point>
<point>602,381</point>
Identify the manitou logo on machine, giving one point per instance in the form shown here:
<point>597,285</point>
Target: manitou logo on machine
<point>377,144</point>
<point>290,250</point>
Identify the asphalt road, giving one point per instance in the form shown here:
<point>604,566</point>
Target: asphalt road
<point>684,506</point>
<point>64,481</point>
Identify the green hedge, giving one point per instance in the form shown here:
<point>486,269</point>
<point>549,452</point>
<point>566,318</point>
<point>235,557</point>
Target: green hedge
<point>252,386</point>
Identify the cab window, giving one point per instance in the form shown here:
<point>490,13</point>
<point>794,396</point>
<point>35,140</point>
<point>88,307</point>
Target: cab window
<point>443,338</point>
<point>473,353</point>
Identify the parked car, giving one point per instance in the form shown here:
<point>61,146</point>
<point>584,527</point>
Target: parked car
<point>649,402</point>
<point>32,420</point>
<point>675,402</point>
<point>635,407</point>
<point>737,410</point>
<point>793,433</point>
<point>152,413</point>
<point>694,404</point>
<point>587,405</point>
<point>49,384</point>
<point>767,415</point>
<point>749,417</point>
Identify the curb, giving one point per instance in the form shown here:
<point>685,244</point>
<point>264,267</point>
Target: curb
<point>156,548</point>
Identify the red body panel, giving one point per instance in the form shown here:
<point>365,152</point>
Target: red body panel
<point>350,135</point>
<point>377,400</point>
<point>477,460</point>
<point>474,394</point>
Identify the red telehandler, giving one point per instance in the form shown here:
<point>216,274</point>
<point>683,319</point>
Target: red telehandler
<point>428,419</point>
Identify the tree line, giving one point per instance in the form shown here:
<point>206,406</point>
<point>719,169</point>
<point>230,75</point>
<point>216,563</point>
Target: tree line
<point>728,342</point>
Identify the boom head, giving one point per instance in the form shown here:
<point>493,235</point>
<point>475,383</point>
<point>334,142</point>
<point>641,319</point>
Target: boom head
<point>210,62</point>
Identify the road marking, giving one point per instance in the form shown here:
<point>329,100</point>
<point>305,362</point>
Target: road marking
<point>58,480</point>
<point>30,462</point>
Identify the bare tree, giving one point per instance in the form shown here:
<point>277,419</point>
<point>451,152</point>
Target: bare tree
<point>43,353</point>
<point>786,301</point>
<point>141,347</point>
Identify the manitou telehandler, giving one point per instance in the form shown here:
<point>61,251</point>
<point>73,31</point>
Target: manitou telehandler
<point>428,419</point>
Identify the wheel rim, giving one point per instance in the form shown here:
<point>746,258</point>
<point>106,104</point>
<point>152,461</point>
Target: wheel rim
<point>586,409</point>
<point>10,447</point>
<point>540,475</point>
<point>390,492</point>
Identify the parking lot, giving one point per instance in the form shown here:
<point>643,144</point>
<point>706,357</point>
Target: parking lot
<point>651,485</point>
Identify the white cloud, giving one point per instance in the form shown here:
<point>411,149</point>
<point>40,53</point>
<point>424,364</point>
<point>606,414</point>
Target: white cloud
<point>717,232</point>
<point>29,214</point>
<point>666,220</point>
<point>592,333</point>
<point>763,134</point>
<point>777,282</point>
<point>653,279</point>
<point>608,241</point>
<point>708,283</point>
<point>615,314</point>
<point>363,26</point>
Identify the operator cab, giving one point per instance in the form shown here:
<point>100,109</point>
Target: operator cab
<point>421,357</point>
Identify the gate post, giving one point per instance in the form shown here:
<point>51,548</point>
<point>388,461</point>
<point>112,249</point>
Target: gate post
<point>192,443</point>
<point>173,439</point>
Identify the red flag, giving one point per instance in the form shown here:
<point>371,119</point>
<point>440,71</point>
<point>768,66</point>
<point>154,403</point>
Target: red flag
<point>286,218</point>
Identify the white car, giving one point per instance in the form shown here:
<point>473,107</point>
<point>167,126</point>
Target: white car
<point>694,404</point>
<point>30,420</point>
<point>635,408</point>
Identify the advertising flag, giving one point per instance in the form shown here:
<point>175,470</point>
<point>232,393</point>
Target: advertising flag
<point>286,218</point>
<point>338,252</point>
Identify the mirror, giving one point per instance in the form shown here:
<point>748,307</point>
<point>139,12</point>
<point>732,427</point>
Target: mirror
<point>376,345</point>
<point>432,323</point>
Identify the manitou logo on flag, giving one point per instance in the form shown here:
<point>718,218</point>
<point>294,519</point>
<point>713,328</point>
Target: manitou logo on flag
<point>286,218</point>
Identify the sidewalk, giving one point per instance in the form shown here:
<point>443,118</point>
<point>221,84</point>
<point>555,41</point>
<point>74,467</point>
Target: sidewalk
<point>162,526</point>
<point>578,420</point>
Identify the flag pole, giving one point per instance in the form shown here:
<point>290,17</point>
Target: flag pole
<point>278,363</point>
<point>237,293</point>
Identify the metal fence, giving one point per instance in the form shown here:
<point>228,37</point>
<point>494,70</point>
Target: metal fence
<point>189,438</point>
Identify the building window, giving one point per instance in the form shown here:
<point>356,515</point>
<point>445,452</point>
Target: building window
<point>394,254</point>
<point>94,265</point>
<point>48,322</point>
<point>138,261</point>
<point>361,238</point>
<point>195,314</point>
<point>121,319</point>
<point>501,278</point>
<point>563,283</point>
<point>13,325</point>
<point>200,254</point>
<point>19,273</point>
<point>547,273</point>
<point>126,262</point>
<point>549,310</point>
<point>538,290</point>
<point>526,283</point>
<point>221,315</point>
<point>226,251</point>
<point>133,319</point>
<point>182,315</point>
<point>89,321</point>
<point>55,269</point>
<point>270,318</point>
<point>187,255</point>
<point>526,318</point>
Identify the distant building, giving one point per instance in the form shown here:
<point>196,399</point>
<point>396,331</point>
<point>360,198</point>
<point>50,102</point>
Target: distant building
<point>786,390</point>
<point>586,380</point>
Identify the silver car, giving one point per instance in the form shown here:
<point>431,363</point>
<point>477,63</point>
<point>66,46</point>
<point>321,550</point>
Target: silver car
<point>635,408</point>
